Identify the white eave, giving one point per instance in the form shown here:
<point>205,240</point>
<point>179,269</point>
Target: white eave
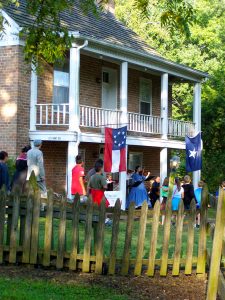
<point>10,36</point>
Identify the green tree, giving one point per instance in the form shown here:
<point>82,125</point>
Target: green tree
<point>204,49</point>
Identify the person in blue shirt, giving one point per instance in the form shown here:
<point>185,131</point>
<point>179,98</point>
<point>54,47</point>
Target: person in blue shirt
<point>198,197</point>
<point>4,172</point>
<point>138,192</point>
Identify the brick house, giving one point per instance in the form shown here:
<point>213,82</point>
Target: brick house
<point>111,78</point>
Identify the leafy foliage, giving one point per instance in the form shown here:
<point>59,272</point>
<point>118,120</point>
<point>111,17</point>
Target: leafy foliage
<point>203,50</point>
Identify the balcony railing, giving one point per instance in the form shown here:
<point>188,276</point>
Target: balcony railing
<point>52,114</point>
<point>96,117</point>
<point>178,128</point>
<point>144,123</point>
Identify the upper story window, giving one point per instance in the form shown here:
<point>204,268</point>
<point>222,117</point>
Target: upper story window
<point>61,84</point>
<point>145,96</point>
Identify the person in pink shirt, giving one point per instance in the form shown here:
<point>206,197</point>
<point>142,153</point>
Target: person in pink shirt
<point>77,186</point>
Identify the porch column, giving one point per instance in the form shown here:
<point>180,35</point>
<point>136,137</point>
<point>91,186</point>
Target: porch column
<point>163,164</point>
<point>164,104</point>
<point>71,155</point>
<point>74,89</point>
<point>33,100</point>
<point>197,121</point>
<point>123,121</point>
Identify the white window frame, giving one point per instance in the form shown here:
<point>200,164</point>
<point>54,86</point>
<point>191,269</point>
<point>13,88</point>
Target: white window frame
<point>135,153</point>
<point>149,81</point>
<point>65,84</point>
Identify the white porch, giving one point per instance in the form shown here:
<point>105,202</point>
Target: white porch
<point>53,115</point>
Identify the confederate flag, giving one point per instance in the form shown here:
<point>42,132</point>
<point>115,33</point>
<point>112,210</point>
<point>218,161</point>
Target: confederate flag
<point>115,150</point>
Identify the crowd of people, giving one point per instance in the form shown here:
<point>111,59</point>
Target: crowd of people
<point>95,183</point>
<point>30,159</point>
<point>182,191</point>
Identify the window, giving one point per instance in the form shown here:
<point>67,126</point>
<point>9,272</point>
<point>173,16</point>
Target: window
<point>145,96</point>
<point>61,84</point>
<point>135,159</point>
<point>105,77</point>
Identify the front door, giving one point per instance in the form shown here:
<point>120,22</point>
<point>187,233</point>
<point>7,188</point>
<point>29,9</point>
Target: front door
<point>109,88</point>
<point>109,97</point>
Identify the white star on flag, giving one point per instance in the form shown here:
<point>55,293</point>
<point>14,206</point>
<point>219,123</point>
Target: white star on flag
<point>192,153</point>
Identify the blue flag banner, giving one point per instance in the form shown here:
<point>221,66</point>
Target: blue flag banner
<point>193,153</point>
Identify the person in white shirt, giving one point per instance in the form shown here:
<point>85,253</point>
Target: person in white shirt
<point>178,195</point>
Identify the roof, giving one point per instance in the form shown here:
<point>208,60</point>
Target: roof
<point>104,27</point>
<point>107,31</point>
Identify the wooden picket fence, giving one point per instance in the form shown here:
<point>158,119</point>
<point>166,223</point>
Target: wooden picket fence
<point>29,235</point>
<point>216,258</point>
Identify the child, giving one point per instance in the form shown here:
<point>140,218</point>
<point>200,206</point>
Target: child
<point>97,184</point>
<point>164,194</point>
<point>198,197</point>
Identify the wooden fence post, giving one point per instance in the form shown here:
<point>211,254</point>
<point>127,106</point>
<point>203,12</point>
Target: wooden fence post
<point>141,239</point>
<point>154,238</point>
<point>75,233</point>
<point>27,228</point>
<point>87,238</point>
<point>128,238</point>
<point>2,222</point>
<point>190,241</point>
<point>115,235</point>
<point>48,230</point>
<point>166,235</point>
<point>201,263</point>
<point>14,228</point>
<point>178,244</point>
<point>214,271</point>
<point>100,239</point>
<point>61,235</point>
<point>35,228</point>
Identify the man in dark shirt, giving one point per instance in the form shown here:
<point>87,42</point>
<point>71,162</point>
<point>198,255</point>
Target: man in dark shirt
<point>155,191</point>
<point>4,172</point>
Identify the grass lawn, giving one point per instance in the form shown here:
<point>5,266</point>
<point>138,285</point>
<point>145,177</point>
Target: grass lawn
<point>26,289</point>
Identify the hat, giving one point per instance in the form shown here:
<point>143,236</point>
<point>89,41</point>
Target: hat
<point>37,143</point>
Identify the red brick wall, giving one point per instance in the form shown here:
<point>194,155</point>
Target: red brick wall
<point>134,90</point>
<point>91,86</point>
<point>55,162</point>
<point>151,158</point>
<point>23,104</point>
<point>14,100</point>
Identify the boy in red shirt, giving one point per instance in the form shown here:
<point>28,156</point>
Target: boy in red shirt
<point>78,178</point>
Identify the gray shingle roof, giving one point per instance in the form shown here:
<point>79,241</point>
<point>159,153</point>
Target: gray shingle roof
<point>104,28</point>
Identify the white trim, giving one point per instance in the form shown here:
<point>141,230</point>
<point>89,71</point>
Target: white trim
<point>163,164</point>
<point>164,104</point>
<point>11,29</point>
<point>33,100</point>
<point>53,135</point>
<point>135,141</point>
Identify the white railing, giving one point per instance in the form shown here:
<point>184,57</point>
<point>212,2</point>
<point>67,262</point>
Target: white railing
<point>144,123</point>
<point>52,114</point>
<point>180,128</point>
<point>96,117</point>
